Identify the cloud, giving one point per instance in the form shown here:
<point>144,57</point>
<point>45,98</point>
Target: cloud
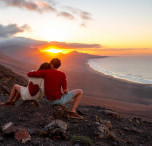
<point>75,12</point>
<point>85,15</point>
<point>126,49</point>
<point>42,6</point>
<point>66,15</point>
<point>12,29</point>
<point>74,45</point>
<point>39,5</point>
<point>82,14</point>
<point>83,24</point>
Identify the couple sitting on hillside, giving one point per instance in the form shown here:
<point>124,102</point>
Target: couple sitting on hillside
<point>47,80</point>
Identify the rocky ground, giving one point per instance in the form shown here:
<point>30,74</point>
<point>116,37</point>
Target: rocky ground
<point>50,125</point>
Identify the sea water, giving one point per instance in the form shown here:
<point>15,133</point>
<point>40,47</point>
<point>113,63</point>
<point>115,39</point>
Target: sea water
<point>135,68</point>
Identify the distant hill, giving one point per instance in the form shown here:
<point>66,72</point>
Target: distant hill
<point>72,59</point>
<point>23,54</point>
<point>76,54</point>
<point>25,62</point>
<point>27,50</point>
<point>21,48</point>
<point>8,78</point>
<point>16,65</point>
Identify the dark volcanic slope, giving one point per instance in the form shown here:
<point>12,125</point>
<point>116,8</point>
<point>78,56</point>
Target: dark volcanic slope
<point>8,79</point>
<point>16,65</point>
<point>122,132</point>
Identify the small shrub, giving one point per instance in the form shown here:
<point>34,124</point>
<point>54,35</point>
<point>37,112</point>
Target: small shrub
<point>83,139</point>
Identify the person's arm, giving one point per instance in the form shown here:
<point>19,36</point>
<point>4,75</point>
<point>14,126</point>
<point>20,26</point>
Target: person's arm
<point>65,91</point>
<point>64,84</point>
<point>37,74</point>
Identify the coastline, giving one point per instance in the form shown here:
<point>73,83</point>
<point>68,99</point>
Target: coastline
<point>127,109</point>
<point>115,77</point>
<point>127,98</point>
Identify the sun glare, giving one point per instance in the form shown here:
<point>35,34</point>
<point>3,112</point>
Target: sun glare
<point>51,50</point>
<point>55,50</point>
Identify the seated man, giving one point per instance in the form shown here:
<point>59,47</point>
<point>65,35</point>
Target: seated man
<point>53,81</point>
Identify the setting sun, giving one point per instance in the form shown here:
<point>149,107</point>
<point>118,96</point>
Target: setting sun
<point>51,50</point>
<point>54,49</point>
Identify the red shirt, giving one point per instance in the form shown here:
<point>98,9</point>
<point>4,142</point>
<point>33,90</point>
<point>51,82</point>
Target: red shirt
<point>53,81</point>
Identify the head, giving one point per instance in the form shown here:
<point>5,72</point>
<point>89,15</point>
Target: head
<point>44,65</point>
<point>55,63</point>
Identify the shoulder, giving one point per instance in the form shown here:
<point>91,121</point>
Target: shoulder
<point>35,80</point>
<point>45,70</point>
<point>61,72</point>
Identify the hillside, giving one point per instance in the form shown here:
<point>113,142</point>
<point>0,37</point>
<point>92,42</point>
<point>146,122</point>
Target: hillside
<point>32,61</point>
<point>8,79</point>
<point>28,50</point>
<point>16,65</point>
<point>29,124</point>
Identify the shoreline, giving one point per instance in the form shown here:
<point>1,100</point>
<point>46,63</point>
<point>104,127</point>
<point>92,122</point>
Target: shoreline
<point>127,98</point>
<point>133,109</point>
<point>116,77</point>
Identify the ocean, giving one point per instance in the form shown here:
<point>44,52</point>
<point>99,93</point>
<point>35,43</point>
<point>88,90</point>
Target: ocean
<point>136,68</point>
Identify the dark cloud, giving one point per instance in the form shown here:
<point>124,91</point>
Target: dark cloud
<point>12,29</point>
<point>85,15</point>
<point>66,15</point>
<point>39,6</point>
<point>82,14</point>
<point>74,45</point>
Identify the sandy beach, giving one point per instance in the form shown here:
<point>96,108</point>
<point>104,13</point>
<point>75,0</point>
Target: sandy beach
<point>127,98</point>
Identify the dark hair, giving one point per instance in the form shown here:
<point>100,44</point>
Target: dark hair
<point>44,65</point>
<point>56,63</point>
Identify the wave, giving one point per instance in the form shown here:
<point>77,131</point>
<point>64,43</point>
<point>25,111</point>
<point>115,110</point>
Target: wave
<point>117,70</point>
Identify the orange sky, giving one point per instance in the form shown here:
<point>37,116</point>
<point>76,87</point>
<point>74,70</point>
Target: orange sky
<point>114,25</point>
<point>97,51</point>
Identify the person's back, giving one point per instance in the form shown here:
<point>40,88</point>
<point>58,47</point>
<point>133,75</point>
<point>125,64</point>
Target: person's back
<point>25,91</point>
<point>53,80</point>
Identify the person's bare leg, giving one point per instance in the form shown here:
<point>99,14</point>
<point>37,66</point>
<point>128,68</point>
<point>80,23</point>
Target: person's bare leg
<point>16,97</point>
<point>77,98</point>
<point>15,90</point>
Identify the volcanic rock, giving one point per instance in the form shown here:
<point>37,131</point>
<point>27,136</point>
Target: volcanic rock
<point>9,128</point>
<point>22,136</point>
<point>56,129</point>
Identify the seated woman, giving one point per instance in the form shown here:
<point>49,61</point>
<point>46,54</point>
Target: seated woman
<point>34,90</point>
